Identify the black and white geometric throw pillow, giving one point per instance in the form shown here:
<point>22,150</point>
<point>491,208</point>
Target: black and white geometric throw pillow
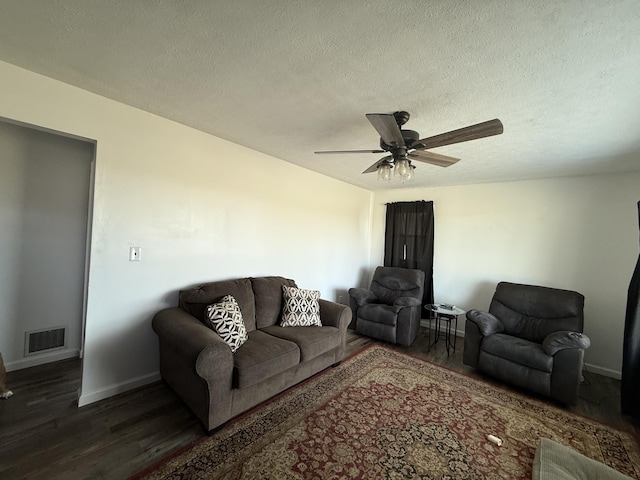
<point>226,319</point>
<point>300,308</point>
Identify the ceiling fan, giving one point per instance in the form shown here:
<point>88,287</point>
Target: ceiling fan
<point>406,145</point>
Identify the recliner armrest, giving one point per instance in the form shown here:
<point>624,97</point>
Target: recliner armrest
<point>487,324</point>
<point>362,296</point>
<point>556,341</point>
<point>407,302</point>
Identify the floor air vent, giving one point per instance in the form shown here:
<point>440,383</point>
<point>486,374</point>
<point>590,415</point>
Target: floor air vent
<point>45,340</point>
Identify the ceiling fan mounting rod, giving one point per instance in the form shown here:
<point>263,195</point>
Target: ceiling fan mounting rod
<point>398,152</point>
<point>401,117</point>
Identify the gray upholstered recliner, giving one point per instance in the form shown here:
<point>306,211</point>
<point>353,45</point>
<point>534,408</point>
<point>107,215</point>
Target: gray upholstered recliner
<point>532,338</point>
<point>390,309</point>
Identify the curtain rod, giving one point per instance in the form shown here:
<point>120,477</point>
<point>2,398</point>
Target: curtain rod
<point>416,201</point>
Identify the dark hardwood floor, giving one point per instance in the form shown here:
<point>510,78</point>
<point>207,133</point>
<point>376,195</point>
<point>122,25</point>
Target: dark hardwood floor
<point>44,435</point>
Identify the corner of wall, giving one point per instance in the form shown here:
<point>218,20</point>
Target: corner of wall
<point>116,388</point>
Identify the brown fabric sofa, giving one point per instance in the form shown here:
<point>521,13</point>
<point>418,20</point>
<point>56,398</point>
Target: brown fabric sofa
<point>218,385</point>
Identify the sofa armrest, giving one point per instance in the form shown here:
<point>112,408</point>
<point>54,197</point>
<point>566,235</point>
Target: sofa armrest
<point>487,324</point>
<point>407,302</point>
<point>334,314</point>
<point>197,364</point>
<point>195,343</point>
<point>556,341</point>
<point>566,375</point>
<point>362,296</point>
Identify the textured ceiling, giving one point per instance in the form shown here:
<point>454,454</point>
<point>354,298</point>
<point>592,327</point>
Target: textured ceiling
<point>288,78</point>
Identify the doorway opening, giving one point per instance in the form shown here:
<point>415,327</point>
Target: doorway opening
<point>46,194</point>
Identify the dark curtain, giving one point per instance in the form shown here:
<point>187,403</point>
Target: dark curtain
<point>408,241</point>
<point>630,389</point>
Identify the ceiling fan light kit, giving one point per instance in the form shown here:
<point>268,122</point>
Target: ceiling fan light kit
<point>404,169</point>
<point>406,145</point>
<point>384,171</point>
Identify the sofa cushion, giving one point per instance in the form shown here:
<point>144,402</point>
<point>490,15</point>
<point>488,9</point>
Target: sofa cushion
<point>268,299</point>
<point>515,373</point>
<point>195,300</point>
<point>262,356</point>
<point>518,350</point>
<point>226,319</point>
<point>389,283</point>
<point>555,461</point>
<point>312,341</point>
<point>533,312</point>
<point>300,308</point>
<point>378,313</point>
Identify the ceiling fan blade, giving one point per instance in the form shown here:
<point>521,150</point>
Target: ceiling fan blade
<point>349,151</point>
<point>374,167</point>
<point>386,125</point>
<point>472,132</point>
<point>432,158</point>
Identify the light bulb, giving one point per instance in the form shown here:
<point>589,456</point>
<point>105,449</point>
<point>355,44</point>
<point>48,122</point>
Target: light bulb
<point>402,166</point>
<point>409,175</point>
<point>384,172</point>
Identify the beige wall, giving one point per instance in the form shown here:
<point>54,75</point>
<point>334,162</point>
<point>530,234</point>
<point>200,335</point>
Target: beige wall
<point>201,209</point>
<point>578,233</point>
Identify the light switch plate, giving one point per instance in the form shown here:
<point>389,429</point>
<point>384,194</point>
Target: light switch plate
<point>134,254</point>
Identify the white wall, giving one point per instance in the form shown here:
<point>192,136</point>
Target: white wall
<point>578,233</point>
<point>201,209</point>
<point>166,188</point>
<point>43,223</point>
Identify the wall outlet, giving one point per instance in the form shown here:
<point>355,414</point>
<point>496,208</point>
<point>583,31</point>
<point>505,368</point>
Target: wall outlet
<point>134,254</point>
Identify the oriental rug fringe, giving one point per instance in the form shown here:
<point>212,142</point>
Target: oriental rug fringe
<point>384,414</point>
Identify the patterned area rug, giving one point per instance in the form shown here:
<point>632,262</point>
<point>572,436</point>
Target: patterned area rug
<point>383,414</point>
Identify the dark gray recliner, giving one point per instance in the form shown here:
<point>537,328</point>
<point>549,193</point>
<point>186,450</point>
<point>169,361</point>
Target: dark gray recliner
<point>390,309</point>
<point>532,338</point>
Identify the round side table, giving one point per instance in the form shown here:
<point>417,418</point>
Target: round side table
<point>448,315</point>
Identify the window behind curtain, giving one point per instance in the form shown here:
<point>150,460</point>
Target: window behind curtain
<point>409,241</point>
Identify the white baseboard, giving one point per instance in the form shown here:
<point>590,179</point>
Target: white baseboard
<point>607,372</point>
<point>116,388</point>
<point>41,359</point>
